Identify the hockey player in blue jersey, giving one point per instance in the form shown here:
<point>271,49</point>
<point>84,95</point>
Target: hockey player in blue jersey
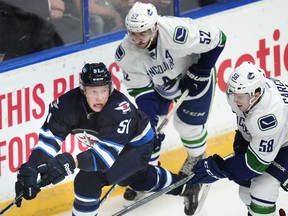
<point>120,137</point>
<point>260,162</point>
<point>161,57</point>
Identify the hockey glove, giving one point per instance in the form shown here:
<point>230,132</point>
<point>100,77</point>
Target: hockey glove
<point>195,80</point>
<point>56,169</point>
<point>207,170</point>
<point>240,145</point>
<point>27,182</point>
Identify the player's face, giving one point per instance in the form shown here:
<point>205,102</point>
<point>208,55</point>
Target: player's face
<point>141,39</point>
<point>242,101</point>
<point>97,96</point>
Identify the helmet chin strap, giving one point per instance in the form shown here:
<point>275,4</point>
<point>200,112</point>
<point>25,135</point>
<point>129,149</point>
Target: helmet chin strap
<point>154,31</point>
<point>253,103</point>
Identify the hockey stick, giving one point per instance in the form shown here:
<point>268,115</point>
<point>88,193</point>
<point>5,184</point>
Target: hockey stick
<point>166,190</point>
<point>16,200</point>
<point>154,196</point>
<point>112,188</point>
<point>172,111</point>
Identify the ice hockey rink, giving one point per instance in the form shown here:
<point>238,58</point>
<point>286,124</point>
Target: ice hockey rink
<point>222,200</point>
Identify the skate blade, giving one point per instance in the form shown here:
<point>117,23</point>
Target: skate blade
<point>203,195</point>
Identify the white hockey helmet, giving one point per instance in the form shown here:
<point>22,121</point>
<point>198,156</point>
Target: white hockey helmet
<point>141,17</point>
<point>246,78</point>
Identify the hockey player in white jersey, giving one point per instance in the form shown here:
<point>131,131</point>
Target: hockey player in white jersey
<point>260,162</point>
<point>161,57</point>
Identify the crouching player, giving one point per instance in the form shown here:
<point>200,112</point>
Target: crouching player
<point>260,162</point>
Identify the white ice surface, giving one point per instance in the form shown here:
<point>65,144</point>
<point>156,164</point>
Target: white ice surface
<point>222,200</point>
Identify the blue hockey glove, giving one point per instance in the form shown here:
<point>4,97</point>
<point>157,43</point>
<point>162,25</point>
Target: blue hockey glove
<point>27,182</point>
<point>207,170</point>
<point>195,80</point>
<point>55,170</point>
<point>240,145</point>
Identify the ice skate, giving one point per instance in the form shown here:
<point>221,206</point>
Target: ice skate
<point>190,194</point>
<point>190,161</point>
<point>130,196</point>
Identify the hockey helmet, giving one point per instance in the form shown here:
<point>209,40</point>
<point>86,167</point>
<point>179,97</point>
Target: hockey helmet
<point>95,74</point>
<point>141,17</point>
<point>247,78</point>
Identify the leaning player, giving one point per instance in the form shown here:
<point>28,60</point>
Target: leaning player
<point>260,163</point>
<point>121,141</point>
<point>161,57</point>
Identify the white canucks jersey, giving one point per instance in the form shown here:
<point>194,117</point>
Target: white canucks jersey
<point>265,126</point>
<point>180,43</point>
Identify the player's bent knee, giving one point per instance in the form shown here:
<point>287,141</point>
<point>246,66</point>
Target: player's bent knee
<point>194,137</point>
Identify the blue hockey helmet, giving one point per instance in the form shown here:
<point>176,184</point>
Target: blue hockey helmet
<point>95,74</point>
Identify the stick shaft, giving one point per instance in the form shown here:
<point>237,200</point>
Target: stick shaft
<point>112,188</point>
<point>17,199</point>
<point>154,196</point>
<point>172,111</point>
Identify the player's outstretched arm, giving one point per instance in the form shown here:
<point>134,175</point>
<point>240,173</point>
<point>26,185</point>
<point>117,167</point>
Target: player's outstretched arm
<point>208,170</point>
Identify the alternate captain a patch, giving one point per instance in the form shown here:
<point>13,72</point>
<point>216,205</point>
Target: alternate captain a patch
<point>267,122</point>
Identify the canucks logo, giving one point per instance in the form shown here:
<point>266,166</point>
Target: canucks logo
<point>150,12</point>
<point>180,34</point>
<point>267,122</point>
<point>124,107</point>
<point>251,75</point>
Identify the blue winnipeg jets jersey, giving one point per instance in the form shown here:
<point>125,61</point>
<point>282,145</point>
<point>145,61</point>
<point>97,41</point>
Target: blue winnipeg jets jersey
<point>180,43</point>
<point>107,132</point>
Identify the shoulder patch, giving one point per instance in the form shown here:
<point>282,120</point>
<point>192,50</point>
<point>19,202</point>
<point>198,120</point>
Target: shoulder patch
<point>124,107</point>
<point>120,53</point>
<point>180,34</point>
<point>267,122</point>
